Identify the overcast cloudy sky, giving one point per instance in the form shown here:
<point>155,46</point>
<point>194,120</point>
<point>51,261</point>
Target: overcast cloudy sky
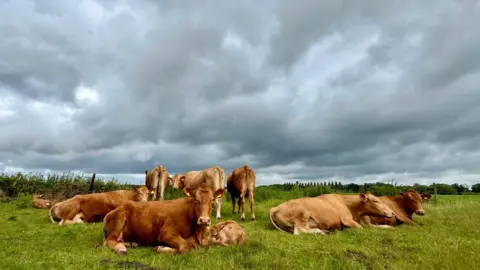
<point>309,90</point>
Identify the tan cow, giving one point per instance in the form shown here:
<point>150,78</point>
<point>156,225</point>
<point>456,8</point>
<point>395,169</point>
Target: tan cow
<point>326,213</point>
<point>93,207</point>
<point>214,177</point>
<point>426,196</point>
<point>171,225</point>
<point>37,202</point>
<point>241,183</point>
<point>156,180</point>
<point>225,233</point>
<point>403,206</point>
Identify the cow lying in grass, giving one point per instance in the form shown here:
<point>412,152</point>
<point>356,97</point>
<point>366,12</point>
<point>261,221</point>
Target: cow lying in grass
<point>93,207</point>
<point>40,203</point>
<point>403,205</point>
<point>325,213</point>
<point>172,225</point>
<point>225,233</point>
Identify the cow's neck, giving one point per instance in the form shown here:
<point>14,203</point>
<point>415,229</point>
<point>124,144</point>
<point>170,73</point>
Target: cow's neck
<point>402,202</point>
<point>353,203</point>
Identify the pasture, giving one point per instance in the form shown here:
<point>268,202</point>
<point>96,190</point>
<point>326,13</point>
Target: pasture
<point>447,238</point>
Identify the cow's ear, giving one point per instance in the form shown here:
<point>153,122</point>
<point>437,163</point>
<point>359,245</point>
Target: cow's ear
<point>402,194</point>
<point>363,197</point>
<point>134,188</point>
<point>187,192</point>
<point>146,172</point>
<point>182,179</point>
<point>219,193</point>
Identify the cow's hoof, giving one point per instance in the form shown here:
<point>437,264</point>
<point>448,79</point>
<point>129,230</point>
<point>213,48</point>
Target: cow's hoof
<point>252,219</point>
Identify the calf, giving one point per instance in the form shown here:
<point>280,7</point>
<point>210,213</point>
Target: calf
<point>93,207</point>
<point>241,183</point>
<point>225,233</point>
<point>326,213</point>
<point>172,225</point>
<point>403,205</point>
<point>37,202</point>
<point>213,177</point>
<point>157,180</point>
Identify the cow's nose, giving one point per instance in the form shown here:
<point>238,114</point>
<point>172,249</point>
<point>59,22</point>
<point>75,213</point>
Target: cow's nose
<point>204,221</point>
<point>420,212</point>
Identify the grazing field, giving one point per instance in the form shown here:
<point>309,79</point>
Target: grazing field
<point>448,237</point>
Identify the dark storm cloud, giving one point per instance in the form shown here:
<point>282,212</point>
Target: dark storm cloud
<point>338,89</point>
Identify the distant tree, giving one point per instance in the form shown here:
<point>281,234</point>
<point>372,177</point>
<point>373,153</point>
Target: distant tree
<point>476,188</point>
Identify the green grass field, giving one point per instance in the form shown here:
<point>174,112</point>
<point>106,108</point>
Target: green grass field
<point>448,237</point>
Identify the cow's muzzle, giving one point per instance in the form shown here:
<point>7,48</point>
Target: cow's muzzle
<point>203,221</point>
<point>420,212</point>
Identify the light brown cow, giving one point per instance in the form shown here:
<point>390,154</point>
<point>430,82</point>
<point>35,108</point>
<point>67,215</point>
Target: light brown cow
<point>37,202</point>
<point>156,180</point>
<point>225,233</point>
<point>241,183</point>
<point>403,205</point>
<point>326,213</point>
<point>214,177</point>
<point>93,207</point>
<point>171,225</point>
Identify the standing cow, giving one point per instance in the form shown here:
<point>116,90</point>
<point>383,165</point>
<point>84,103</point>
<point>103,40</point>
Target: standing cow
<point>172,225</point>
<point>157,180</point>
<point>240,184</point>
<point>213,177</point>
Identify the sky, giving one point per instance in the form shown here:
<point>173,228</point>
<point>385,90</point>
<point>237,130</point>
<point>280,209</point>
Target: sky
<point>350,91</point>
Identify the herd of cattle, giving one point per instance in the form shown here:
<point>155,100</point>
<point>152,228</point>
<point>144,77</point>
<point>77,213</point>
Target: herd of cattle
<point>141,216</point>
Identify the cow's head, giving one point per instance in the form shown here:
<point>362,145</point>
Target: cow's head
<point>413,201</point>
<point>178,181</point>
<point>141,193</point>
<point>373,206</point>
<point>204,197</point>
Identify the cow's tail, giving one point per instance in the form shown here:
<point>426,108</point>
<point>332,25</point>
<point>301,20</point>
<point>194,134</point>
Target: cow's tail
<point>53,214</point>
<point>271,215</point>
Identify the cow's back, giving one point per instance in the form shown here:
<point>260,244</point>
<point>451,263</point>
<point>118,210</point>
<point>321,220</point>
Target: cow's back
<point>146,220</point>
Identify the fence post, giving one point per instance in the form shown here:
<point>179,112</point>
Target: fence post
<point>435,191</point>
<point>92,184</point>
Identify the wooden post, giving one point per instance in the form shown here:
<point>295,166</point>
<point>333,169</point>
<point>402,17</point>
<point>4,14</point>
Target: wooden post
<point>92,184</point>
<point>435,191</point>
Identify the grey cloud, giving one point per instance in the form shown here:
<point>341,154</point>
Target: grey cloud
<point>400,94</point>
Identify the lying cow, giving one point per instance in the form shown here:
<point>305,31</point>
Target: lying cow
<point>174,225</point>
<point>157,180</point>
<point>241,183</point>
<point>214,177</point>
<point>93,207</point>
<point>403,206</point>
<point>426,196</point>
<point>37,202</point>
<point>225,233</point>
<point>326,213</point>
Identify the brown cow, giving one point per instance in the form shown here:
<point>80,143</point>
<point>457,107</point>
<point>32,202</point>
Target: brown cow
<point>93,207</point>
<point>326,212</point>
<point>157,180</point>
<point>403,205</point>
<point>225,233</point>
<point>37,202</point>
<point>175,225</point>
<point>426,196</point>
<point>241,183</point>
<point>214,177</point>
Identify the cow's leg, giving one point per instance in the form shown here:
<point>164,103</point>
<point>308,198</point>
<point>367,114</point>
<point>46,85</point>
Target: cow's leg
<point>218,202</point>
<point>113,227</point>
<point>350,223</point>
<point>233,203</point>
<point>252,205</point>
<point>241,203</point>
<point>160,191</point>
<point>175,242</point>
